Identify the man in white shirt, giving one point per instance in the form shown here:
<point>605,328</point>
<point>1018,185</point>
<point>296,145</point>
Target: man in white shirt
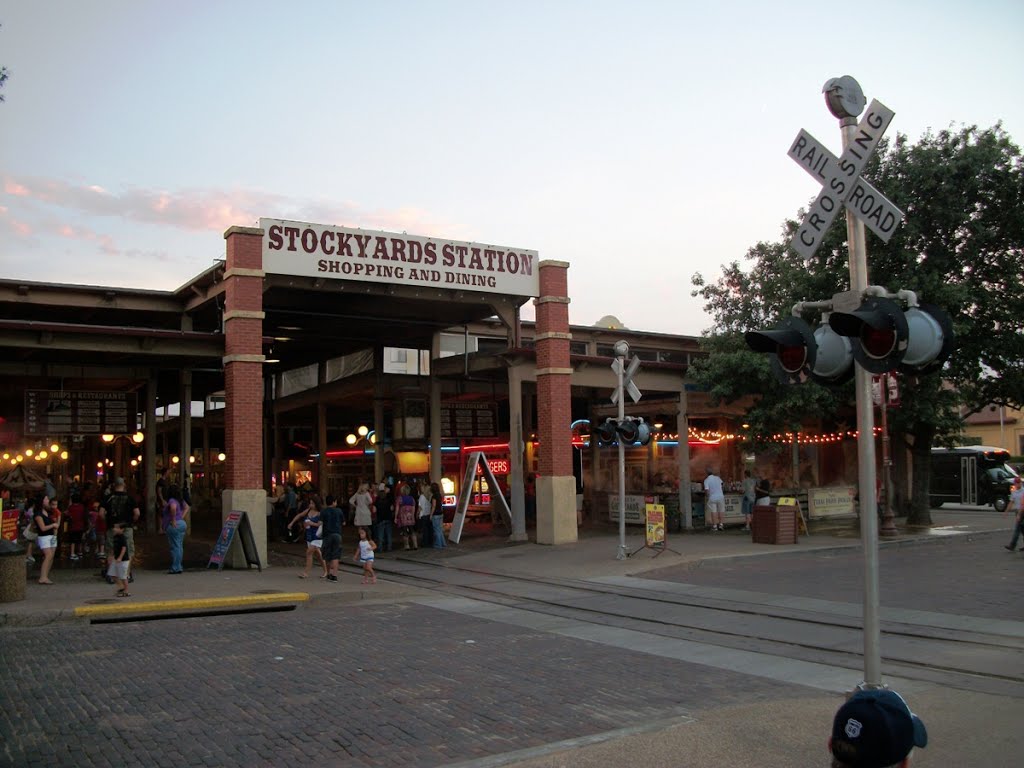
<point>714,502</point>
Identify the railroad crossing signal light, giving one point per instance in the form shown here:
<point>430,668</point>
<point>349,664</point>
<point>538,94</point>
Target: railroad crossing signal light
<point>799,353</point>
<point>792,344</point>
<point>916,341</point>
<point>633,430</point>
<point>607,432</point>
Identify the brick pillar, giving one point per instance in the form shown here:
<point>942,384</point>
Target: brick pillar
<point>243,384</point>
<point>556,486</point>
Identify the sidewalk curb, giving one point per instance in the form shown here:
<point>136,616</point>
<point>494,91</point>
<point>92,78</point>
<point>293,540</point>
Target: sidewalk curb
<point>190,604</point>
<point>895,543</point>
<point>82,614</point>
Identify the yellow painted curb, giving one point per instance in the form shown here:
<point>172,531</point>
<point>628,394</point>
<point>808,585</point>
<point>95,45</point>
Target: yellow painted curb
<point>199,603</point>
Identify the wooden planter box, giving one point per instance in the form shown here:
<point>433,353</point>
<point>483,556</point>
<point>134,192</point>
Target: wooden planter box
<point>774,525</point>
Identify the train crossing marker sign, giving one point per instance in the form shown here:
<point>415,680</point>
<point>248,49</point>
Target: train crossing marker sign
<point>628,386</point>
<point>841,182</point>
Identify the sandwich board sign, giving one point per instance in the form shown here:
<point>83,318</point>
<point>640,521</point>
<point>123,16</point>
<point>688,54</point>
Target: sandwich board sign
<point>235,526</point>
<point>477,458</point>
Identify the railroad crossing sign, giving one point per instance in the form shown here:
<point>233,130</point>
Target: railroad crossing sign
<point>841,182</point>
<point>627,379</point>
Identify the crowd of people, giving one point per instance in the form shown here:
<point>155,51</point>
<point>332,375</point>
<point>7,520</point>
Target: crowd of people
<point>385,515</point>
<point>97,523</point>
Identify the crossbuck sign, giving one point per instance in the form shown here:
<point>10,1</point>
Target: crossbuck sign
<point>841,182</point>
<point>628,372</point>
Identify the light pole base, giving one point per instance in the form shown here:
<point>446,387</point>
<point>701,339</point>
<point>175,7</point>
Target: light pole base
<point>888,527</point>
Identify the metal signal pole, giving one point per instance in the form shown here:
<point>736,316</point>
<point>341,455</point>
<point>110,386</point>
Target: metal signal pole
<point>865,439</point>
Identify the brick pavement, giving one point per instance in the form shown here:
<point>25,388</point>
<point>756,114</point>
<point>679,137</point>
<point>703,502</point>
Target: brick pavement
<point>970,575</point>
<point>374,685</point>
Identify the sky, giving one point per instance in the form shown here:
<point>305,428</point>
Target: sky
<point>639,141</point>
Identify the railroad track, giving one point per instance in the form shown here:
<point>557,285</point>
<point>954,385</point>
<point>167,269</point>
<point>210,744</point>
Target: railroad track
<point>970,654</point>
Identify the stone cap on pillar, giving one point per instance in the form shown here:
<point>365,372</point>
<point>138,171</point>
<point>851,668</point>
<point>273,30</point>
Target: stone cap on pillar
<point>243,231</point>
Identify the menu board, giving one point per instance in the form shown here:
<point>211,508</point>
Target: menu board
<point>59,412</point>
<point>469,420</point>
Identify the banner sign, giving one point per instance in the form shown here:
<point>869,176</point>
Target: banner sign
<point>831,502</point>
<point>635,509</point>
<point>318,250</point>
<point>58,412</point>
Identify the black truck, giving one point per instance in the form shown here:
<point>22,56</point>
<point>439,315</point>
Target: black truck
<point>972,474</point>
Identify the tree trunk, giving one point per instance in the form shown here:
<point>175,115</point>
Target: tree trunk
<point>900,474</point>
<point>921,462</point>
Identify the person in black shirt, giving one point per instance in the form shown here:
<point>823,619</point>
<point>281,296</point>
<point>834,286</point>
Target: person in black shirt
<point>118,569</point>
<point>331,520</point>
<point>119,507</point>
<point>47,527</point>
<point>385,505</point>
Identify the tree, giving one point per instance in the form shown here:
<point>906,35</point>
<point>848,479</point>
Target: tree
<point>961,247</point>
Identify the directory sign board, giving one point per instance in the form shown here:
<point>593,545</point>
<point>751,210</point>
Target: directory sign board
<point>60,412</point>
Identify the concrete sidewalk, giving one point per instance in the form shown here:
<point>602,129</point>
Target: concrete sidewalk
<point>79,591</point>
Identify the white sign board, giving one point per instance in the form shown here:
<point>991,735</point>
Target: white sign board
<point>318,250</point>
<point>867,203</point>
<point>838,180</point>
<point>630,388</point>
<point>636,508</point>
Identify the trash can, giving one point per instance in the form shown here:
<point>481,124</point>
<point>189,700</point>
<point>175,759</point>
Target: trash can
<point>774,524</point>
<point>12,571</point>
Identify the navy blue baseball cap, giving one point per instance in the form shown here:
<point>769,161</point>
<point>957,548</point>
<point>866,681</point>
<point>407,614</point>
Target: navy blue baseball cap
<point>875,729</point>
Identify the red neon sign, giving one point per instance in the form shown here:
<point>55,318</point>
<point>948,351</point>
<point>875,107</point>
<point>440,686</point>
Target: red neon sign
<point>497,466</point>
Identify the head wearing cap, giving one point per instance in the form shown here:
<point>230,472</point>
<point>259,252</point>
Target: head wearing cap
<point>875,729</point>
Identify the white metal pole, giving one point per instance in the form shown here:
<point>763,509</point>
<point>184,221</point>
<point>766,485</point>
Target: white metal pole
<point>622,460</point>
<point>865,452</point>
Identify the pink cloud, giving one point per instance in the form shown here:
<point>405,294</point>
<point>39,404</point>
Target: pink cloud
<point>105,242</point>
<point>13,188</point>
<point>215,209</point>
<point>18,227</point>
